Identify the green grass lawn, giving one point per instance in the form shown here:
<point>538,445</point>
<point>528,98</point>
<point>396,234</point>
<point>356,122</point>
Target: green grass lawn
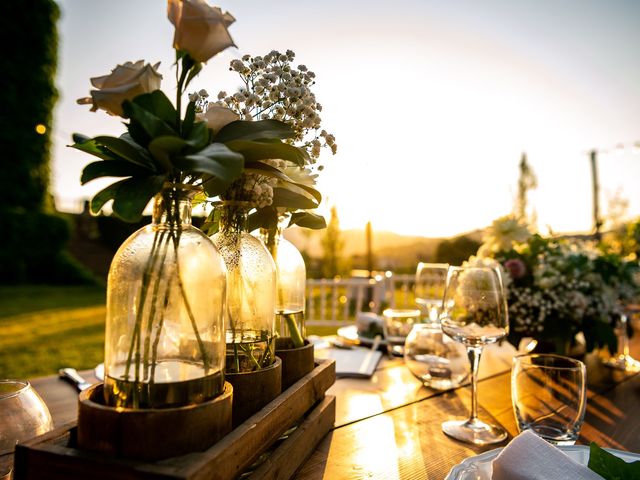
<point>45,328</point>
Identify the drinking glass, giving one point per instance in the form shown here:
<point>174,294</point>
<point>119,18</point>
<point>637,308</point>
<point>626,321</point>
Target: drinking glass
<point>397,325</point>
<point>624,361</point>
<point>429,288</point>
<point>549,396</point>
<point>436,360</point>
<point>474,314</point>
<point>23,415</point>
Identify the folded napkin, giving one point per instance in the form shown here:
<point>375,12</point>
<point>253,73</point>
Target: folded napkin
<point>529,457</point>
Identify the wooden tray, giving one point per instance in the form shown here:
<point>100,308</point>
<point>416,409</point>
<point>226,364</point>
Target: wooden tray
<point>54,456</point>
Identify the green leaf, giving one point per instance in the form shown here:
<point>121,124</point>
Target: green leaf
<point>104,195</point>
<point>308,220</point>
<point>266,170</point>
<point>284,197</point>
<point>165,147</point>
<point>198,137</point>
<point>134,194</point>
<point>111,168</point>
<point>247,130</point>
<point>126,150</point>
<point>215,159</point>
<point>610,467</point>
<point>197,67</point>
<point>254,150</point>
<point>89,146</point>
<point>189,119</point>
<point>144,121</point>
<point>159,105</point>
<point>314,193</point>
<point>266,217</point>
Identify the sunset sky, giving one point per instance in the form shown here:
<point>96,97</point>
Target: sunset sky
<point>431,102</point>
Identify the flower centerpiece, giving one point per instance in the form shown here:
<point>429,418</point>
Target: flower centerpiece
<point>271,191</point>
<point>166,300</point>
<point>557,288</point>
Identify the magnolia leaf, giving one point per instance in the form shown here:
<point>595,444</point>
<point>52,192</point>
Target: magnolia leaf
<point>266,170</point>
<point>198,137</point>
<point>104,195</point>
<point>159,105</point>
<point>143,121</point>
<point>164,148</point>
<point>254,150</point>
<point>126,150</point>
<point>111,168</point>
<point>284,197</point>
<point>247,130</point>
<point>308,220</point>
<point>89,146</point>
<point>314,193</point>
<point>189,119</point>
<point>266,217</point>
<point>134,194</point>
<point>212,223</point>
<point>216,160</point>
<point>197,67</point>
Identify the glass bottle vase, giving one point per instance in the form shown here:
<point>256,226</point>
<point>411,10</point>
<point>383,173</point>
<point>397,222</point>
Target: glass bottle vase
<point>166,298</point>
<point>251,281</point>
<point>291,283</point>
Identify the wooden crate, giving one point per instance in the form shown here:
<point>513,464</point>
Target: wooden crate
<point>54,456</point>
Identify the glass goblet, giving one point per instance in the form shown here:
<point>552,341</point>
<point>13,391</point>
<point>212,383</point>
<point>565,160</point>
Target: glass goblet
<point>623,360</point>
<point>429,288</point>
<point>474,314</point>
<point>23,415</point>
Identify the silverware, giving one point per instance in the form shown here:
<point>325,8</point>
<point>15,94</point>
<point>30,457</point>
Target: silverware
<point>71,375</point>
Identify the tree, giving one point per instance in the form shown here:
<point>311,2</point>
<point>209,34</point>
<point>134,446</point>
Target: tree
<point>456,250</point>
<point>33,236</point>
<point>332,245</point>
<point>527,181</point>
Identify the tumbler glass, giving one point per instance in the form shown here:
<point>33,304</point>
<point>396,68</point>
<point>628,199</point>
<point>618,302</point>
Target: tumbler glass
<point>549,396</point>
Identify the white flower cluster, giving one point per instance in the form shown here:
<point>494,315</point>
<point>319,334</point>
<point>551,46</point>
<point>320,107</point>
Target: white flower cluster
<point>255,188</point>
<point>503,234</point>
<point>274,89</point>
<point>200,99</point>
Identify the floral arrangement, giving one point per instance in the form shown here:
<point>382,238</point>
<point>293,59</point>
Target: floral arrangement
<point>557,288</point>
<point>222,150</point>
<point>272,88</point>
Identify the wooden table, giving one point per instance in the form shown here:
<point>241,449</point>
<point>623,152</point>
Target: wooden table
<point>388,427</point>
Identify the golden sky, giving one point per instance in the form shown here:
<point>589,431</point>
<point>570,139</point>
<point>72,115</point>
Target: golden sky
<point>431,102</point>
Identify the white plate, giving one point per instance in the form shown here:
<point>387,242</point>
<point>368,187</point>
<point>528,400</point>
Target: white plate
<point>351,333</point>
<point>479,467</point>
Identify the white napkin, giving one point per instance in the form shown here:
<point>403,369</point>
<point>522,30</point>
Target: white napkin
<point>529,457</point>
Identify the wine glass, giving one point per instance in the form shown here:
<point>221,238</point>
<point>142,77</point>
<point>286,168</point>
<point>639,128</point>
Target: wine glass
<point>429,288</point>
<point>474,314</point>
<point>624,361</point>
<point>23,415</point>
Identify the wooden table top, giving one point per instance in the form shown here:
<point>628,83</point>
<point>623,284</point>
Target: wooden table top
<point>388,427</point>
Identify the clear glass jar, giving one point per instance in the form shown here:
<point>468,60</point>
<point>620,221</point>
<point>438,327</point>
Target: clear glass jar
<point>251,282</point>
<point>291,275</point>
<point>166,299</point>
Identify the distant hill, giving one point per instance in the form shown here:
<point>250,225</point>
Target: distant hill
<point>391,251</point>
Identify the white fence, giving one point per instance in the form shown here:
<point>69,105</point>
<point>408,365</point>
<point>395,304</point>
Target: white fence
<point>336,301</point>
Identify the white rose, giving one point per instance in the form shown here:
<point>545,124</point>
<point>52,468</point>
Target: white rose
<point>125,82</point>
<point>218,116</point>
<point>201,30</point>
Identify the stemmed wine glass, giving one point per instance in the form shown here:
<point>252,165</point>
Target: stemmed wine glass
<point>624,361</point>
<point>474,314</point>
<point>429,288</point>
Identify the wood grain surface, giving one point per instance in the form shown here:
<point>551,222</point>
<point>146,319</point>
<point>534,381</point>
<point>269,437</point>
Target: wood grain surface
<point>388,427</point>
